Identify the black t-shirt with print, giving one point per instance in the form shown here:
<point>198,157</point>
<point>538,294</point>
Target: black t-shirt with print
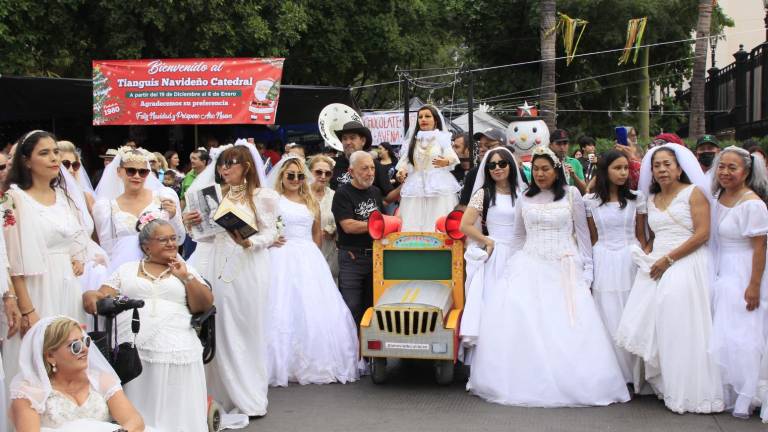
<point>350,202</point>
<point>341,176</point>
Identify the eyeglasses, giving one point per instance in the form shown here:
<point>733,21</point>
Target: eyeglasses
<point>501,164</point>
<point>142,172</point>
<point>322,173</point>
<point>76,347</point>
<point>293,176</point>
<point>67,164</point>
<point>3,167</point>
<point>228,163</point>
<point>166,240</point>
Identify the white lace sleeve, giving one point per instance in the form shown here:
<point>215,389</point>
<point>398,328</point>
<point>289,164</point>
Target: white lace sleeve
<point>102,218</point>
<point>476,202</point>
<point>519,234</point>
<point>581,231</point>
<point>753,218</point>
<point>641,203</point>
<point>448,151</point>
<point>113,281</point>
<point>266,201</point>
<point>108,385</point>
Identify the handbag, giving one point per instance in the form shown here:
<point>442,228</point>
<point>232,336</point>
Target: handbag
<point>126,360</point>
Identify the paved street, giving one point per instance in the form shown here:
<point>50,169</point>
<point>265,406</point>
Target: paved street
<point>411,401</point>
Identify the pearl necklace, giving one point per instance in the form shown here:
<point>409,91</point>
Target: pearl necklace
<point>152,277</point>
<point>237,192</point>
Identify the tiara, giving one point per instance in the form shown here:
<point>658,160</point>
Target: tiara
<point>129,154</point>
<point>546,151</point>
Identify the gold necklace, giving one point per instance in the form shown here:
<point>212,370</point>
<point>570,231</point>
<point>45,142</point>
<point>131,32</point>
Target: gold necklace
<point>237,192</point>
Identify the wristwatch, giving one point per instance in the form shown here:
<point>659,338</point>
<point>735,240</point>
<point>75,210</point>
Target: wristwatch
<point>188,279</point>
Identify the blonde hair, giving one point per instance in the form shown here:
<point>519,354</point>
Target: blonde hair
<point>249,172</point>
<point>304,191</point>
<point>68,147</point>
<point>56,335</point>
<point>161,159</point>
<point>314,160</point>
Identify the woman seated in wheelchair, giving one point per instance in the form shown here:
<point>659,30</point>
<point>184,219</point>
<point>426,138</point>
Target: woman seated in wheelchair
<point>65,386</point>
<point>170,392</point>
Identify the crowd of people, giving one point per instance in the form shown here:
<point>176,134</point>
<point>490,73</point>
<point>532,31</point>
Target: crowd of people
<point>588,276</point>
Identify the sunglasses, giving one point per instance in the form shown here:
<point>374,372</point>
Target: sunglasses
<point>67,164</point>
<point>293,176</point>
<point>322,173</point>
<point>501,164</point>
<point>228,163</point>
<point>142,172</point>
<point>77,346</point>
<point>3,167</point>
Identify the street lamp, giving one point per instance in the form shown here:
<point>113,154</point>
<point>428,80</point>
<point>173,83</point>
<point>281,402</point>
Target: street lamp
<point>713,44</point>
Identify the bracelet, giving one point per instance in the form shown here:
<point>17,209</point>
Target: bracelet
<point>190,277</point>
<point>669,259</point>
<point>24,314</point>
<point>8,295</point>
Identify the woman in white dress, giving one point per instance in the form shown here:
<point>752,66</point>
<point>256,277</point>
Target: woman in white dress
<point>425,165</point>
<point>312,336</point>
<point>541,341</point>
<point>170,392</point>
<point>125,192</point>
<point>65,386</point>
<point>322,170</point>
<point>667,319</point>
<point>488,222</point>
<point>79,186</point>
<point>740,322</point>
<point>239,271</point>
<point>616,217</point>
<point>45,240</point>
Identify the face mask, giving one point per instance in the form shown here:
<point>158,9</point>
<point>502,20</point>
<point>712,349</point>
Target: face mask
<point>706,159</point>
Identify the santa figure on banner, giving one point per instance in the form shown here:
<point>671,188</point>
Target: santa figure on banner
<point>265,94</point>
<point>526,131</point>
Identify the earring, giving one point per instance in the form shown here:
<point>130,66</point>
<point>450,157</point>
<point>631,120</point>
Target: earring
<point>53,368</point>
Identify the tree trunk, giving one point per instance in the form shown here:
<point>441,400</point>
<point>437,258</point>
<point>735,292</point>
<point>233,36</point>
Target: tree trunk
<point>644,100</point>
<point>548,102</point>
<point>696,125</point>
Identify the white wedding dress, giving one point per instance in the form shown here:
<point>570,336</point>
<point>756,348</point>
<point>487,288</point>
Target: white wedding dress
<point>614,269</point>
<point>312,336</point>
<point>542,342</point>
<point>738,335</point>
<point>668,322</point>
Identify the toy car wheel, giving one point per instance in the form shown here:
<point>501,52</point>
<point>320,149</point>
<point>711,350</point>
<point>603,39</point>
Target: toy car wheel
<point>378,370</point>
<point>444,372</point>
<point>214,416</point>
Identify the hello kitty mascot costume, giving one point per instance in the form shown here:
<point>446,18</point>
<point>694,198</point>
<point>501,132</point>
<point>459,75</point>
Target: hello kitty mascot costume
<point>526,131</point>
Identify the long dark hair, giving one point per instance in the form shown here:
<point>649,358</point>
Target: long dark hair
<point>603,181</point>
<point>438,126</point>
<point>655,188</point>
<point>19,174</point>
<point>489,185</point>
<point>558,187</point>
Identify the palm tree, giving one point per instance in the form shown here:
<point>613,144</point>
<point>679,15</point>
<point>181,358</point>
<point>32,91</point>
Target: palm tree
<point>547,36</point>
<point>696,125</point>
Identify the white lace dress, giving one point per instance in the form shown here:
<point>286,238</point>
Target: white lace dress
<point>428,192</point>
<point>738,335</point>
<point>117,228</point>
<point>542,342</point>
<point>614,268</point>
<point>484,276</point>
<point>62,413</point>
<point>170,393</point>
<point>237,377</point>
<point>668,322</point>
<point>312,336</point>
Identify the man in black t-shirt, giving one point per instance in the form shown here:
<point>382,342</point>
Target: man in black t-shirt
<point>355,137</point>
<point>352,204</point>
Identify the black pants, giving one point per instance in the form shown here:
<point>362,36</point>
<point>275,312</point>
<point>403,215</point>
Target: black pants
<point>356,281</point>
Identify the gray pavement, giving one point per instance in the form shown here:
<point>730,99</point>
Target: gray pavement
<point>411,401</point>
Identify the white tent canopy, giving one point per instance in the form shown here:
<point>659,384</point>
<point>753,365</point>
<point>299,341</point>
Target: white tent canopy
<point>482,121</point>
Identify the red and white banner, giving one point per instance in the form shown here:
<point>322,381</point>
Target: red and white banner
<point>186,91</point>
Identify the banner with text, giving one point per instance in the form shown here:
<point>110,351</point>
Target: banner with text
<point>186,91</point>
<point>387,126</point>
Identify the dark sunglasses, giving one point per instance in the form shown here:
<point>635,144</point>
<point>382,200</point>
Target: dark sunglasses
<point>77,346</point>
<point>75,165</point>
<point>227,163</point>
<point>3,167</point>
<point>322,173</point>
<point>293,176</point>
<point>501,164</point>
<point>142,172</point>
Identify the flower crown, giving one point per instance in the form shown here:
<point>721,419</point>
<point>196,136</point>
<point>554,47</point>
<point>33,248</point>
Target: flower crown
<point>147,217</point>
<point>129,154</point>
<point>542,150</point>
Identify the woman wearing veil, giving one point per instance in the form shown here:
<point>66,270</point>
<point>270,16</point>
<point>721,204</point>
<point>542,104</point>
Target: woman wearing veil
<point>425,165</point>
<point>238,269</point>
<point>667,318</point>
<point>312,336</point>
<point>65,385</point>
<point>488,221</point>
<point>125,192</point>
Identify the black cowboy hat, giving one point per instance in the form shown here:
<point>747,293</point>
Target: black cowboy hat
<point>358,128</point>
